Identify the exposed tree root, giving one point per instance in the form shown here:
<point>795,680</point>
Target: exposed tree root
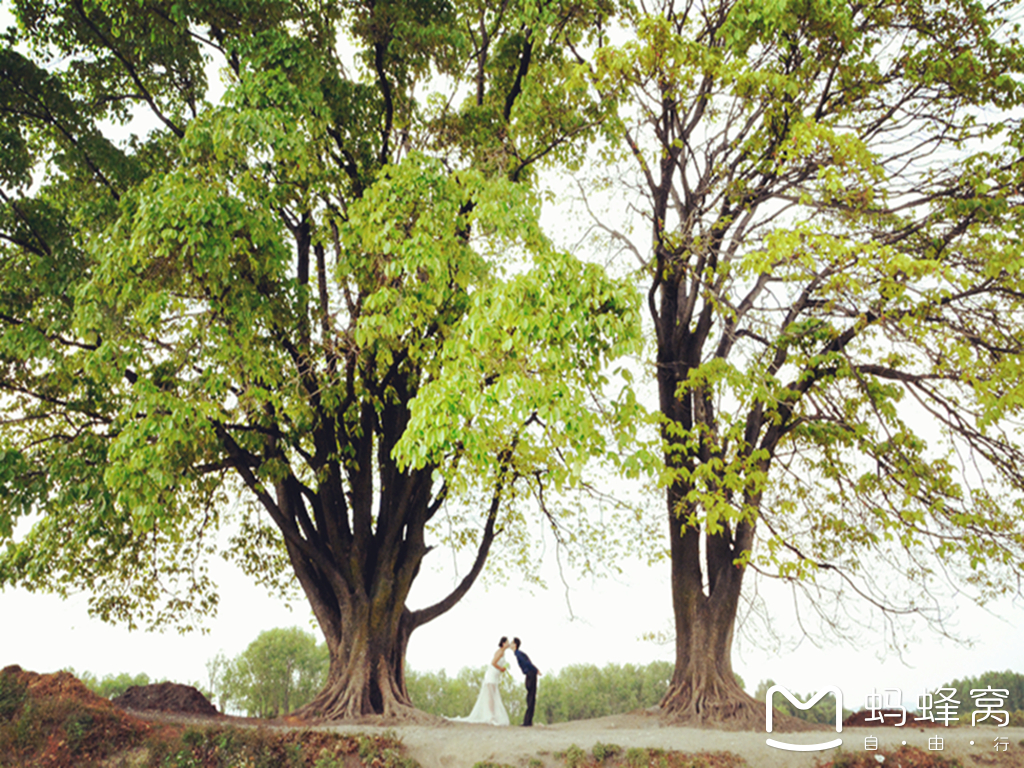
<point>353,699</point>
<point>729,710</point>
<point>408,716</point>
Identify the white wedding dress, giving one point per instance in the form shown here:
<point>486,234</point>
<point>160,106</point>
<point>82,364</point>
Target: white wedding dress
<point>488,708</point>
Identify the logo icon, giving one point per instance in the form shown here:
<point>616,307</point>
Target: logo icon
<point>834,690</point>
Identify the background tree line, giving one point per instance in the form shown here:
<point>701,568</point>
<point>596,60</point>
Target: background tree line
<point>823,712</point>
<point>576,692</point>
<point>283,669</point>
<point>112,686</point>
<point>1008,680</point>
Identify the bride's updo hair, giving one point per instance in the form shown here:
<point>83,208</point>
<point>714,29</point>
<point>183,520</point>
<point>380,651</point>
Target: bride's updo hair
<point>504,639</point>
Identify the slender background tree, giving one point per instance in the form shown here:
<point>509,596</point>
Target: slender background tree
<point>279,672</point>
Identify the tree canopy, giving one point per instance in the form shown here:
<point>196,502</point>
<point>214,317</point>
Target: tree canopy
<point>319,299</point>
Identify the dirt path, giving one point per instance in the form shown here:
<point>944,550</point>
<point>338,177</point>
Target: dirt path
<point>462,745</point>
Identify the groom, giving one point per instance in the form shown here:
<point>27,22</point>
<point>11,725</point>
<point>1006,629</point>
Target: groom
<point>531,673</point>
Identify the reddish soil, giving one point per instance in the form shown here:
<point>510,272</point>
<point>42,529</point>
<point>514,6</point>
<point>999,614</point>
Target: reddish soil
<point>69,725</point>
<point>54,721</point>
<point>60,685</point>
<point>891,717</point>
<point>166,697</point>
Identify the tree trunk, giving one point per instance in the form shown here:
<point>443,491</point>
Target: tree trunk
<point>704,689</point>
<point>366,627</point>
<point>360,605</point>
<point>366,674</point>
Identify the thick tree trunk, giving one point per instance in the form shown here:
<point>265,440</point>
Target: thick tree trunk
<point>360,605</point>
<point>367,674</point>
<point>366,626</point>
<point>703,689</point>
<point>356,549</point>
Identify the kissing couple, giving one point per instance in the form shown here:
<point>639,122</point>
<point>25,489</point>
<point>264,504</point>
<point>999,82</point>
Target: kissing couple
<point>488,708</point>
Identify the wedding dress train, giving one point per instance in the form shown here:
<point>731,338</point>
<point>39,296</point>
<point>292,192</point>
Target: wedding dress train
<point>488,707</point>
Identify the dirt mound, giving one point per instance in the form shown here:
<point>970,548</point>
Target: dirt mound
<point>54,720</point>
<point>166,697</point>
<point>59,685</point>
<point>891,717</point>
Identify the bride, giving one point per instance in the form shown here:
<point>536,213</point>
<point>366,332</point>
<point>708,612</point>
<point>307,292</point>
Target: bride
<point>488,708</point>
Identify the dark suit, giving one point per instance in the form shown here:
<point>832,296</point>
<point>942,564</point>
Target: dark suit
<point>531,673</point>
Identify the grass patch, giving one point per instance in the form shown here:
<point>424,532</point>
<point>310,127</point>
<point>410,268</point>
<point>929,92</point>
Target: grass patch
<point>908,757</point>
<point>576,757</point>
<point>55,732</point>
<point>227,747</point>
<point>640,757</point>
<point>602,752</point>
<point>12,694</point>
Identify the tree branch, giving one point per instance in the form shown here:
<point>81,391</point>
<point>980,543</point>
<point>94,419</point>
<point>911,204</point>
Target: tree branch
<point>421,617</point>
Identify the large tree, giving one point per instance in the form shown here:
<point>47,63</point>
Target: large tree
<point>833,195</point>
<point>322,293</point>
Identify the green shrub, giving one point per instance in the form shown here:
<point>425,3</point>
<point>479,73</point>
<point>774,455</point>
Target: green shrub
<point>574,757</point>
<point>604,751</point>
<point>383,751</point>
<point>293,754</point>
<point>637,757</point>
<point>12,694</point>
<point>76,727</point>
<point>327,760</point>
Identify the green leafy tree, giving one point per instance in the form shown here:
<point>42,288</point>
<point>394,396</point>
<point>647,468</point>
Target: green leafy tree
<point>831,201</point>
<point>324,294</point>
<point>111,686</point>
<point>1009,681</point>
<point>280,671</point>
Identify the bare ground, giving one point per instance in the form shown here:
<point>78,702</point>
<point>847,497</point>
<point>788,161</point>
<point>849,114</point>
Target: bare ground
<point>462,745</point>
